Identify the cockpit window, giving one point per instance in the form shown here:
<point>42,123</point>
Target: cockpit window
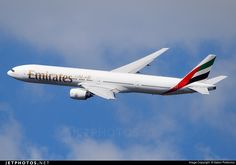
<point>12,70</point>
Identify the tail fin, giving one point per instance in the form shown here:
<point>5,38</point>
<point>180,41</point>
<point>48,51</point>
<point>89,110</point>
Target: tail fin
<point>200,72</point>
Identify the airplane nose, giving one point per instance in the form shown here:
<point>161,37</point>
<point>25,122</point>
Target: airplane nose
<point>9,73</point>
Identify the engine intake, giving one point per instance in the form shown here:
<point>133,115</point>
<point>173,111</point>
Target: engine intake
<point>79,94</point>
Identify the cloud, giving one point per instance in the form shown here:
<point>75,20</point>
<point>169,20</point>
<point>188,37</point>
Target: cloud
<point>79,30</point>
<point>12,140</point>
<point>219,105</point>
<point>84,32</point>
<point>9,140</point>
<point>150,119</point>
<point>94,149</point>
<point>207,153</point>
<point>34,93</point>
<point>144,136</point>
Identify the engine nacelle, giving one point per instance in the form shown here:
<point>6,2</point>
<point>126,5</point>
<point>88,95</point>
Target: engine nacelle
<point>79,94</point>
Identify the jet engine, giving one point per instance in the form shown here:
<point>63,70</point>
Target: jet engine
<point>79,94</point>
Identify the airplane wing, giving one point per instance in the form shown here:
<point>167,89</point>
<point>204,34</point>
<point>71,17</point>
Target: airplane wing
<point>137,65</point>
<point>104,92</point>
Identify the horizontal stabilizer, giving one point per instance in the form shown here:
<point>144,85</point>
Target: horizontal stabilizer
<point>215,80</point>
<point>202,90</point>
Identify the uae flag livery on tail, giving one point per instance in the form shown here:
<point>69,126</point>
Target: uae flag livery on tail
<point>203,69</point>
<point>200,72</point>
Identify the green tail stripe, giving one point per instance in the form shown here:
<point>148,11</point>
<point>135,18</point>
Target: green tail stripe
<point>206,65</point>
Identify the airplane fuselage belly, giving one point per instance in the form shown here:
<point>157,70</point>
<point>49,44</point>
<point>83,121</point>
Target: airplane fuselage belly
<point>147,90</point>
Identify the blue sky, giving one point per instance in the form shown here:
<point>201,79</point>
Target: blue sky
<point>42,122</point>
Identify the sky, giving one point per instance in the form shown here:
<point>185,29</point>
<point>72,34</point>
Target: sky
<point>41,121</point>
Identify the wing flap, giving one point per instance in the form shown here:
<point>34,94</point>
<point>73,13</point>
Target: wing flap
<point>137,65</point>
<point>103,92</point>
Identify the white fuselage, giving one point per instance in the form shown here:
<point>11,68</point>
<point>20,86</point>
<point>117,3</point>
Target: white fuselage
<point>123,82</point>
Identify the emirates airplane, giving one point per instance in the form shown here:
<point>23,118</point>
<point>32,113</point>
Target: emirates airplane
<point>127,78</point>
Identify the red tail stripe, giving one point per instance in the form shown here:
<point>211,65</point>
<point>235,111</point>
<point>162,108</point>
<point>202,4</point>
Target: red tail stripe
<point>184,81</point>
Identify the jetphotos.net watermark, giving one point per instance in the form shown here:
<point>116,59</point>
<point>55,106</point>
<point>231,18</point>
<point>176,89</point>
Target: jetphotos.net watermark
<point>26,162</point>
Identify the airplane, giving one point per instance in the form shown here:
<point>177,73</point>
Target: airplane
<point>125,79</point>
